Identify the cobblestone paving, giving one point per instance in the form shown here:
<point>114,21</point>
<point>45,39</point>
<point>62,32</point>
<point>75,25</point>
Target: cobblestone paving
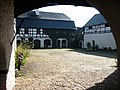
<point>64,69</point>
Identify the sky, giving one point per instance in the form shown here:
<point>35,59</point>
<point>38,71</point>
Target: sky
<point>79,14</point>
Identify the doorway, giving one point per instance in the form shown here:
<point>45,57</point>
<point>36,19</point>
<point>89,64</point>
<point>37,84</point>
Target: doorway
<point>37,44</point>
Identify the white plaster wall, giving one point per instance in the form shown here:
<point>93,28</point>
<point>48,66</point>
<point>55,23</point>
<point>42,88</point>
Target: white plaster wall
<point>10,82</point>
<point>102,40</point>
<point>42,42</point>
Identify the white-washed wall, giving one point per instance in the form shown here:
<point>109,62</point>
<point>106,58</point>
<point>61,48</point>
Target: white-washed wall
<point>102,40</point>
<point>10,82</point>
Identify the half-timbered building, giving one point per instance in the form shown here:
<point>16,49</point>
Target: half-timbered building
<point>45,29</point>
<point>98,33</point>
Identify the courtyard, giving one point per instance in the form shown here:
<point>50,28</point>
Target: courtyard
<point>67,69</point>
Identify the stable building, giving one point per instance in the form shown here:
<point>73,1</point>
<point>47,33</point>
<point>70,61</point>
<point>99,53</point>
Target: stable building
<point>98,33</point>
<point>45,29</point>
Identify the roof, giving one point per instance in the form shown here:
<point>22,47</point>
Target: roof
<point>44,20</point>
<point>22,6</point>
<point>96,20</point>
<point>44,15</point>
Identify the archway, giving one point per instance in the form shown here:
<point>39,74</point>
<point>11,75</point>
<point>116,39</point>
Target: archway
<point>80,44</point>
<point>58,43</point>
<point>110,9</point>
<point>37,44</point>
<point>62,43</point>
<point>47,43</point>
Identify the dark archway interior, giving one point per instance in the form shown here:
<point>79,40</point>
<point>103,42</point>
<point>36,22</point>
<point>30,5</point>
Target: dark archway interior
<point>37,44</point>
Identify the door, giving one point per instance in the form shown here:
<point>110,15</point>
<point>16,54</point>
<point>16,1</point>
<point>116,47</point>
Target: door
<point>36,44</point>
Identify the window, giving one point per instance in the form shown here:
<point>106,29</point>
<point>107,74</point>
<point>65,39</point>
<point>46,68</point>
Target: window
<point>41,31</point>
<point>97,26</point>
<point>86,28</point>
<point>22,31</point>
<point>103,25</point>
<point>44,36</point>
<point>106,25</point>
<point>21,35</point>
<point>102,29</point>
<point>18,31</point>
<point>30,32</point>
<point>26,35</point>
<point>85,31</point>
<point>38,31</point>
<point>93,31</point>
<point>108,29</point>
<point>99,30</point>
<point>90,27</point>
<point>34,35</point>
<point>93,27</point>
<point>38,35</point>
<point>90,31</point>
<point>34,30</point>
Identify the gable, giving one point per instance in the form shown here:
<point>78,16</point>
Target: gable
<point>96,20</point>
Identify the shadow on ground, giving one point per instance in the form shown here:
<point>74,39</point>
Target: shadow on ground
<point>110,83</point>
<point>102,53</point>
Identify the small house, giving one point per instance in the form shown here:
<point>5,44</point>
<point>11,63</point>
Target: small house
<point>98,33</point>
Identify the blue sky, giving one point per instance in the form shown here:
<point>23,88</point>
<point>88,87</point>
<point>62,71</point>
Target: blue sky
<point>80,15</point>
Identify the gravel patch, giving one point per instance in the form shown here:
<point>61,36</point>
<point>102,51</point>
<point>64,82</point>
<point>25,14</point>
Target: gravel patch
<point>66,69</point>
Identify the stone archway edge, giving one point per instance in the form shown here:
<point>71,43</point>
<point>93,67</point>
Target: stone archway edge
<point>18,29</point>
<point>109,9</point>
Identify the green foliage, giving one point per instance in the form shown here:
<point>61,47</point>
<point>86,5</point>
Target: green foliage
<point>96,47</point>
<point>24,48</point>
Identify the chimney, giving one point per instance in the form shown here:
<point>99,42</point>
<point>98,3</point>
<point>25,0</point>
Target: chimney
<point>37,12</point>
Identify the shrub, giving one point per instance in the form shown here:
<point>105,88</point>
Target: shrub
<point>105,48</point>
<point>96,47</point>
<point>109,48</point>
<point>24,48</point>
<point>88,44</point>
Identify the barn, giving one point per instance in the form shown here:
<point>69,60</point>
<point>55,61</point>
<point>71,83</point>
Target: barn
<point>45,29</point>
